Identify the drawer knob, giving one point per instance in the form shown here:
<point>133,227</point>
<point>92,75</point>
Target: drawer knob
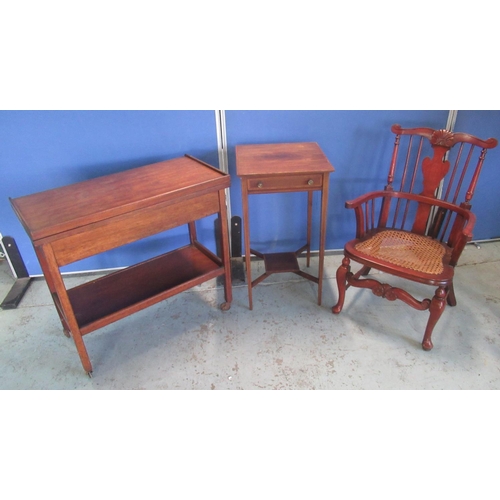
<point>259,184</point>
<point>310,182</point>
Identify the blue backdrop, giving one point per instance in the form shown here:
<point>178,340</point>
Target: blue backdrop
<point>44,149</point>
<point>486,201</point>
<point>357,143</point>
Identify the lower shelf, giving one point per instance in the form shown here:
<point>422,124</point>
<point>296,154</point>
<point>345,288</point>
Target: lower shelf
<point>283,262</point>
<point>119,294</point>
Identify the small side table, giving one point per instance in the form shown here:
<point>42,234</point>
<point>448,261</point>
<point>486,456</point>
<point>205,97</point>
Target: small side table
<point>282,168</point>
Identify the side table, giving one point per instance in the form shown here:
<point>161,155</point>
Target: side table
<point>73,222</point>
<point>282,168</point>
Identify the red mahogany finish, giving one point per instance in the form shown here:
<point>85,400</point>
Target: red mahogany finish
<point>282,168</point>
<point>73,222</point>
<point>417,226</point>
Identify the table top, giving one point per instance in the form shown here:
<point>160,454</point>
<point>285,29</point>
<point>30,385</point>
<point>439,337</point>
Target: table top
<point>60,209</point>
<point>281,159</point>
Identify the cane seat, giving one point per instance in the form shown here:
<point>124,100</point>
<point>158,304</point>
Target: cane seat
<point>405,249</point>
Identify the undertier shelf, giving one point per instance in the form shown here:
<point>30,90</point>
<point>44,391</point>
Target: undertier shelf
<point>282,262</point>
<point>116,295</point>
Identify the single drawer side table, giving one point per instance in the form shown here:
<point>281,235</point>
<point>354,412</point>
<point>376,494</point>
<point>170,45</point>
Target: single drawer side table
<point>73,222</point>
<point>282,168</point>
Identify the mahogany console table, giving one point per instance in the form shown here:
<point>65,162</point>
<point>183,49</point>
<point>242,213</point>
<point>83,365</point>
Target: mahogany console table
<point>73,222</point>
<point>281,168</point>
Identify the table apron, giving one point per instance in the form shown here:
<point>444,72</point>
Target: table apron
<point>114,232</point>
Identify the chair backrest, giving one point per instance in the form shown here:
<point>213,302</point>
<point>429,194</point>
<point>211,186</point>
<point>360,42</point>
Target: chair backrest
<point>435,164</point>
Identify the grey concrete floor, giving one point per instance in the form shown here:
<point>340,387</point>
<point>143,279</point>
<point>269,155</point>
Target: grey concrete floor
<point>286,342</point>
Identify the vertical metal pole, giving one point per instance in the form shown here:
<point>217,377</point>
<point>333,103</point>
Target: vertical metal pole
<point>450,125</point>
<point>220,122</point>
<point>452,118</point>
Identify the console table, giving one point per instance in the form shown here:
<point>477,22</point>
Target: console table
<point>73,222</point>
<point>281,168</point>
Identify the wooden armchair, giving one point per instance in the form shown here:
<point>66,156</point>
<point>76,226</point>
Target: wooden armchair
<point>417,231</point>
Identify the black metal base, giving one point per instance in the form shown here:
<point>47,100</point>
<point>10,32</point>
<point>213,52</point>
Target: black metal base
<point>16,293</point>
<point>23,280</point>
<point>237,267</point>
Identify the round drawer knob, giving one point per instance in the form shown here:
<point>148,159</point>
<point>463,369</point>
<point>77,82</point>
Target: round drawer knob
<point>259,184</point>
<point>310,182</point>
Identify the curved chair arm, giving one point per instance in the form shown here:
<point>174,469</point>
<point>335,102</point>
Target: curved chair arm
<point>461,232</point>
<point>360,200</point>
<point>360,206</point>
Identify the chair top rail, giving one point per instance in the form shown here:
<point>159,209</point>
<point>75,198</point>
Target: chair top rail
<point>444,137</point>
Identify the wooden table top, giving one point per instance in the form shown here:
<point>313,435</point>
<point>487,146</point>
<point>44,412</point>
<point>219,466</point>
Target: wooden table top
<point>60,209</point>
<point>281,159</point>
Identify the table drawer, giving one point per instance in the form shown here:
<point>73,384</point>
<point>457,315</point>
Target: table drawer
<point>285,183</point>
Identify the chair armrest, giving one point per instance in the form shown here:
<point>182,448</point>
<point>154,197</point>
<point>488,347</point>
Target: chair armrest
<point>461,232</point>
<point>361,207</point>
<point>360,200</point>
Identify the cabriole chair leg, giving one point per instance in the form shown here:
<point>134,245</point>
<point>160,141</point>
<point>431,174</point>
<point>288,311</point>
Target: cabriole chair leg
<point>436,309</point>
<point>341,284</point>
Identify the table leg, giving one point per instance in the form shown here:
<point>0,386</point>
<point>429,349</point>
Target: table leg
<point>322,233</point>
<point>226,259</point>
<point>309,224</point>
<point>61,300</point>
<point>53,293</point>
<point>192,232</point>
<point>246,235</point>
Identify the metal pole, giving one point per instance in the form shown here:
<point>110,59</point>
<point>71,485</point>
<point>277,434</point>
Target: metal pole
<point>220,122</point>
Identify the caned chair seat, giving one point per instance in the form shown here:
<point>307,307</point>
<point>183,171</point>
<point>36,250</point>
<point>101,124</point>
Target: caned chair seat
<point>404,249</point>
